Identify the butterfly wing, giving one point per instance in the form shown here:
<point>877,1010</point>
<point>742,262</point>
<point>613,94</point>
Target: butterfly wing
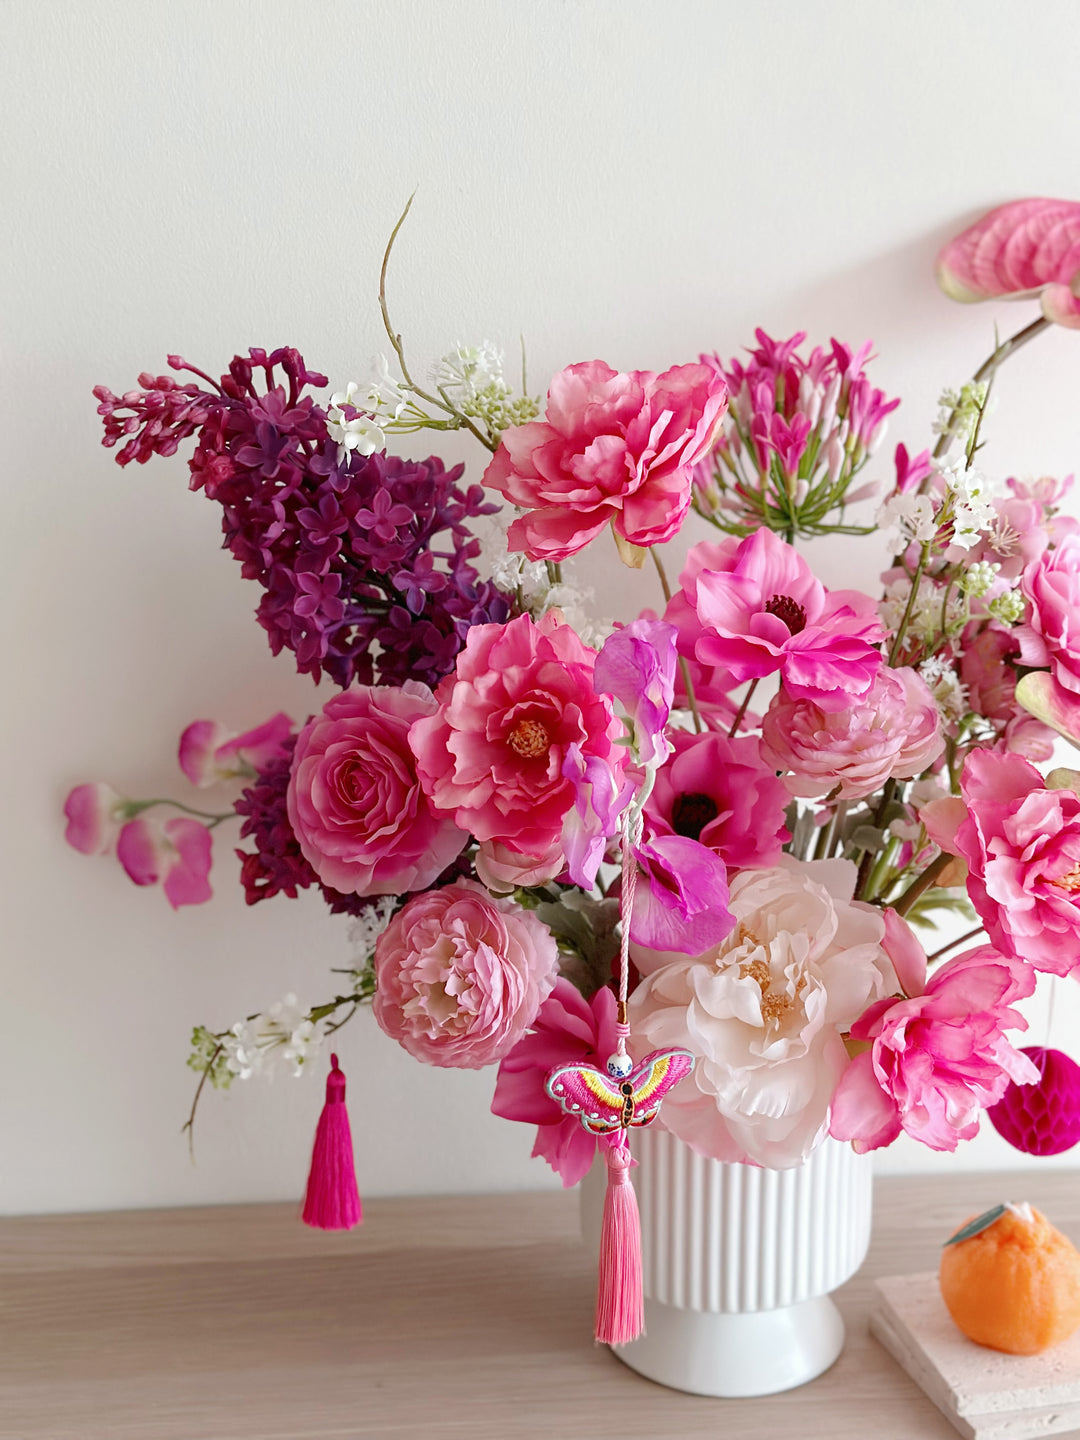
<point>653,1078</point>
<point>586,1093</point>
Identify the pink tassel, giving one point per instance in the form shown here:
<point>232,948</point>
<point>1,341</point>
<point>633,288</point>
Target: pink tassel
<point>620,1305</point>
<point>332,1201</point>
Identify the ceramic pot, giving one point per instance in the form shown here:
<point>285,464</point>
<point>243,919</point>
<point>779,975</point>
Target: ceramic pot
<point>739,1263</point>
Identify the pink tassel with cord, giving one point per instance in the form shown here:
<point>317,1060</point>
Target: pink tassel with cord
<point>332,1201</point>
<point>620,1304</point>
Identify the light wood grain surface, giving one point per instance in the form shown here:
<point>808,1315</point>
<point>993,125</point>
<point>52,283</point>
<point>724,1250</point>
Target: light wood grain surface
<point>462,1317</point>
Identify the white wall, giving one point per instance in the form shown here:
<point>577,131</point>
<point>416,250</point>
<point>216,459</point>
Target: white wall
<point>607,177</point>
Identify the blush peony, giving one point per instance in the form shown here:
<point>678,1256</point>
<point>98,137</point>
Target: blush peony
<point>765,1012</point>
<point>1021,843</point>
<point>460,975</point>
<point>355,804</point>
<point>937,1058</point>
<point>612,449</point>
<point>492,753</point>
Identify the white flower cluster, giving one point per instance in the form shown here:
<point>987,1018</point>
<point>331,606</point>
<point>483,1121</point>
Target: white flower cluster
<point>469,371</point>
<point>380,401</point>
<point>905,518</point>
<point>927,620</point>
<point>969,491</point>
<point>282,1036</point>
<point>366,929</point>
<point>944,684</point>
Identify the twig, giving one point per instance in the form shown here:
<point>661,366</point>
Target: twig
<point>923,882</point>
<point>954,943</point>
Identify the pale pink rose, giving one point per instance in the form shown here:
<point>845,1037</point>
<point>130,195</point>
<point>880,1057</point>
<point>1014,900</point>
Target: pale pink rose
<point>1052,635</point>
<point>461,974</point>
<point>765,1012</point>
<point>892,731</point>
<point>1022,248</point>
<point>94,815</point>
<point>937,1058</point>
<point>503,869</point>
<point>719,791</point>
<point>1021,843</point>
<point>492,753</point>
<point>569,1030</point>
<point>612,449</point>
<point>358,811</point>
<point>210,753</point>
<point>175,853</point>
<point>765,613</point>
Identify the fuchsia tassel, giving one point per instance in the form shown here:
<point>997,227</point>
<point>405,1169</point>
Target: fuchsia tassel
<point>620,1306</point>
<point>332,1201</point>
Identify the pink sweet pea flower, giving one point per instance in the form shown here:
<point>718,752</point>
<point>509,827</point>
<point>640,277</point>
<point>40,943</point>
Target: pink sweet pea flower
<point>600,797</point>
<point>937,1058</point>
<point>612,449</point>
<point>764,612</point>
<point>568,1030</point>
<point>210,753</point>
<point>1021,843</point>
<point>681,897</point>
<point>1024,248</point>
<point>94,815</point>
<point>637,666</point>
<point>174,852</point>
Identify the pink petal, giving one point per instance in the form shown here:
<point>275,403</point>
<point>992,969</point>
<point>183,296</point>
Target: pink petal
<point>196,753</point>
<point>142,850</point>
<point>188,865</point>
<point>861,1111</point>
<point>907,955</point>
<point>91,811</point>
<point>1041,695</point>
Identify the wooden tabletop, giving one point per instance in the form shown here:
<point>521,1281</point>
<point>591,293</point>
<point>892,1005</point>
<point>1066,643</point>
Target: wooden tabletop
<point>461,1317</point>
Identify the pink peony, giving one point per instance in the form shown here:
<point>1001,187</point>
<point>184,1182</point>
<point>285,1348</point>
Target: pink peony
<point>613,449</point>
<point>460,975</point>
<point>94,814</point>
<point>568,1030</point>
<point>764,612</point>
<point>937,1058</point>
<point>210,753</point>
<point>1021,843</point>
<point>355,804</point>
<point>174,852</point>
<point>1051,584</point>
<point>765,1012</point>
<point>719,791</point>
<point>1025,247</point>
<point>893,730</point>
<point>492,753</point>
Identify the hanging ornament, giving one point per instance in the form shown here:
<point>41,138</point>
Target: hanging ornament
<point>1042,1118</point>
<point>332,1201</point>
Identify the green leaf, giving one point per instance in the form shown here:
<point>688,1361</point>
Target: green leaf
<point>977,1226</point>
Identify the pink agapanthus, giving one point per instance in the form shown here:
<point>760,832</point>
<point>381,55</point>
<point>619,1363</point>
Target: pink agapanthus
<point>355,804</point>
<point>894,730</point>
<point>720,791</point>
<point>614,449</point>
<point>491,756</point>
<point>94,813</point>
<point>460,975</point>
<point>765,613</point>
<point>174,853</point>
<point>568,1030</point>
<point>937,1058</point>
<point>1021,843</point>
<point>210,753</point>
<point>1051,637</point>
<point>1027,247</point>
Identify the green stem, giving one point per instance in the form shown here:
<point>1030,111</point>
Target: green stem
<point>684,668</point>
<point>923,882</point>
<point>916,581</point>
<point>999,356</point>
<point>136,807</point>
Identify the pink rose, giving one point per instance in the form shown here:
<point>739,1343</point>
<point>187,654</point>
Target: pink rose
<point>502,868</point>
<point>612,449</point>
<point>460,975</point>
<point>1021,843</point>
<point>355,804</point>
<point>764,612</point>
<point>492,753</point>
<point>718,790</point>
<point>937,1058</point>
<point>894,730</point>
<point>1052,637</point>
<point>210,753</point>
<point>568,1030</point>
<point>176,853</point>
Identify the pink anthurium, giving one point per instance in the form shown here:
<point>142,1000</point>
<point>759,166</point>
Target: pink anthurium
<point>1022,249</point>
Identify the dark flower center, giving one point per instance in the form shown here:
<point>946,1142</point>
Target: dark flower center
<point>788,610</point>
<point>529,739</point>
<point>691,813</point>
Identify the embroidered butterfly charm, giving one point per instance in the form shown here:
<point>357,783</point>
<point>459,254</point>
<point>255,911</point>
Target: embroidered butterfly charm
<point>606,1103</point>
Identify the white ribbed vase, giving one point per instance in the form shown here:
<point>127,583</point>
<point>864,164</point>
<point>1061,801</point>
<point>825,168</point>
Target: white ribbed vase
<point>738,1264</point>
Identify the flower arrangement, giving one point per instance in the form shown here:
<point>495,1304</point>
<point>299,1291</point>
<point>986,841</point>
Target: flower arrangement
<point>503,793</point>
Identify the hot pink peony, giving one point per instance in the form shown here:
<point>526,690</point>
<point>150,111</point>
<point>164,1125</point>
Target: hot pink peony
<point>764,612</point>
<point>492,755</point>
<point>355,804</point>
<point>1021,843</point>
<point>719,791</point>
<point>1051,584</point>
<point>612,449</point>
<point>936,1059</point>
<point>1025,247</point>
<point>568,1030</point>
<point>460,975</point>
<point>894,730</point>
<point>175,853</point>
